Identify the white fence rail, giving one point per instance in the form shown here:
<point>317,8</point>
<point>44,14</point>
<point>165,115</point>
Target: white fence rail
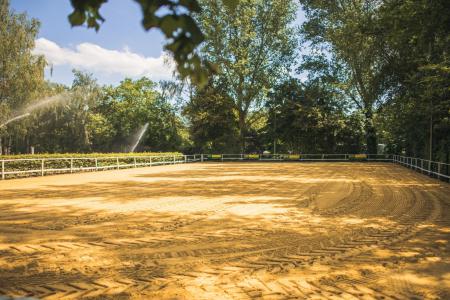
<point>13,168</point>
<point>439,170</point>
<point>436,169</point>
<point>297,157</point>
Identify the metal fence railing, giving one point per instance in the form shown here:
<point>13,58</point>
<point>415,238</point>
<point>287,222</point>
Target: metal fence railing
<point>25,167</point>
<point>436,169</point>
<point>296,157</point>
<point>439,170</point>
<point>14,168</point>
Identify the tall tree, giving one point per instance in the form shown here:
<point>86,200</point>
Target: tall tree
<point>21,73</point>
<point>417,117</point>
<point>348,32</point>
<point>213,125</point>
<point>252,46</point>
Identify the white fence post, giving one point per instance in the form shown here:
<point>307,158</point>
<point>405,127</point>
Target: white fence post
<point>96,164</point>
<point>134,161</point>
<point>201,157</point>
<point>117,161</point>
<point>185,158</point>
<point>42,167</point>
<point>71,165</point>
<point>151,161</point>
<point>3,169</point>
<point>174,159</point>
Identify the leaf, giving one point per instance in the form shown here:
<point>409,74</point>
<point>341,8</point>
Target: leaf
<point>77,18</point>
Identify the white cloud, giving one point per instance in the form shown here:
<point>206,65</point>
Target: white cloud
<point>93,58</point>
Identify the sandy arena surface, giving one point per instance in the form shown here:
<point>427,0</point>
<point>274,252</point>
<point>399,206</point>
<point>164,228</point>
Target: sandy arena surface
<point>227,231</point>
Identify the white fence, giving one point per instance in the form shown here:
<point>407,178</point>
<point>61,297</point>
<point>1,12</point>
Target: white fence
<point>439,170</point>
<point>13,168</point>
<point>297,157</point>
<point>436,169</point>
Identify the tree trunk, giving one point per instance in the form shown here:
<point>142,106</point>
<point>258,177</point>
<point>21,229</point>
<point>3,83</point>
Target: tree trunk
<point>242,130</point>
<point>8,149</point>
<point>371,134</point>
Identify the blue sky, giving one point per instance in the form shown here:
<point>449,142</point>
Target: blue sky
<point>120,48</point>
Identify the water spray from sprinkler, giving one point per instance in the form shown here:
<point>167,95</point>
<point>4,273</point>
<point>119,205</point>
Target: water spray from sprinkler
<point>15,119</point>
<point>139,137</point>
<point>29,109</point>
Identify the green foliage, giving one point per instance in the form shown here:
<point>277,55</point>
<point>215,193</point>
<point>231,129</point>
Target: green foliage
<point>87,117</point>
<point>21,73</point>
<point>87,155</point>
<point>63,126</point>
<point>376,70</point>
<point>349,31</point>
<point>134,103</point>
<point>307,119</point>
<point>252,44</point>
<point>416,120</point>
<point>213,125</point>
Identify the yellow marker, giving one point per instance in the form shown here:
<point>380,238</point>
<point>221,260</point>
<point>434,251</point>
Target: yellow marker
<point>294,156</point>
<point>361,156</point>
<point>216,156</point>
<point>253,156</point>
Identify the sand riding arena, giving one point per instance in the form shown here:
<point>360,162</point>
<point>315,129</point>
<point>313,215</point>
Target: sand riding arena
<point>231,230</point>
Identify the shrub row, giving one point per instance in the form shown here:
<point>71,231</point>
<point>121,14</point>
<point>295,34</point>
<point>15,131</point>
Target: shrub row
<point>87,155</point>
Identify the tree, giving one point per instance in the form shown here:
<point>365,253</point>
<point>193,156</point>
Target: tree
<point>252,46</point>
<point>349,33</point>
<point>65,124</point>
<point>21,73</point>
<point>309,118</point>
<point>416,119</point>
<point>213,125</point>
<point>131,105</point>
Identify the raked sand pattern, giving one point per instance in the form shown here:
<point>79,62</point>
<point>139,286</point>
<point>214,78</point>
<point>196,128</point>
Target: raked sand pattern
<point>227,231</point>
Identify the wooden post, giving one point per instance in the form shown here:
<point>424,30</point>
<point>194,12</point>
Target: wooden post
<point>134,159</point>
<point>151,161</point>
<point>3,169</point>
<point>174,159</point>
<point>71,165</point>
<point>117,161</point>
<point>42,167</point>
<point>201,157</point>
<point>96,164</point>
